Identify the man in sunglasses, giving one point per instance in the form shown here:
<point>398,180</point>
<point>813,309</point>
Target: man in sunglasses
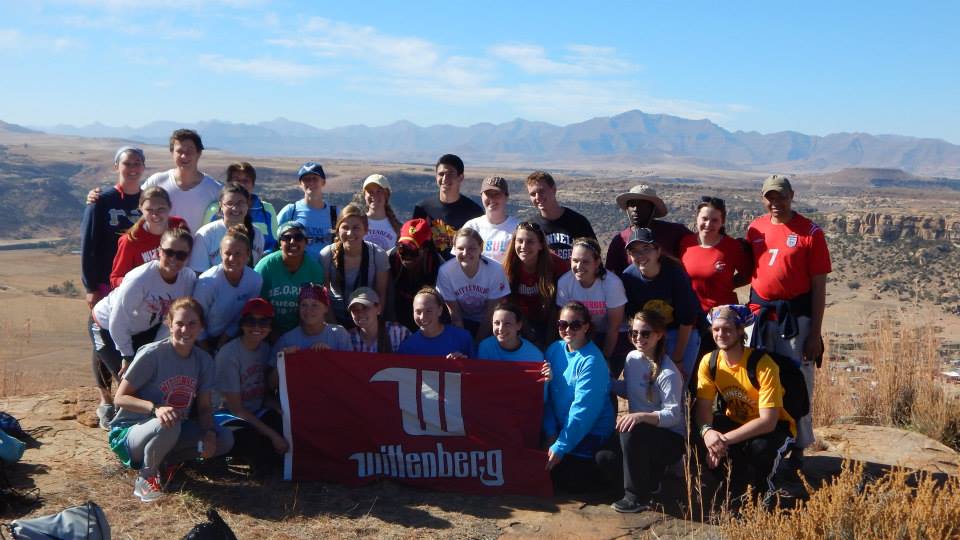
<point>449,210</point>
<point>643,207</point>
<point>788,289</point>
<point>284,271</point>
<point>414,264</point>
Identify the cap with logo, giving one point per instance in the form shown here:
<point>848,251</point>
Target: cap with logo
<point>311,167</point>
<point>642,235</point>
<point>496,183</point>
<point>415,232</point>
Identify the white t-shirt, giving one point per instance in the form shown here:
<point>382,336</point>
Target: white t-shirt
<point>206,246</point>
<point>472,294</point>
<point>496,238</point>
<point>223,302</point>
<point>190,204</point>
<point>380,232</point>
<point>604,294</point>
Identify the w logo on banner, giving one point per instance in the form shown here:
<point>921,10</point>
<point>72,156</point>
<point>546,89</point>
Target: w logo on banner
<point>429,400</point>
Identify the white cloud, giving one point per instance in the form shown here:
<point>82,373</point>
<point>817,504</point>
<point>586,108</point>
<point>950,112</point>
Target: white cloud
<point>578,61</point>
<point>261,68</point>
<point>158,29</point>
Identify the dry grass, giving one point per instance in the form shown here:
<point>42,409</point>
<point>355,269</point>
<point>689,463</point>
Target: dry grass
<point>900,504</point>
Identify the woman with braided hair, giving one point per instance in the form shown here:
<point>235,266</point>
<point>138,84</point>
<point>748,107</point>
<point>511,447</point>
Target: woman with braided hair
<point>351,262</point>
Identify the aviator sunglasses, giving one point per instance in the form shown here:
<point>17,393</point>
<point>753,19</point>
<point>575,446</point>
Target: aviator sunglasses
<point>574,326</point>
<point>637,334</point>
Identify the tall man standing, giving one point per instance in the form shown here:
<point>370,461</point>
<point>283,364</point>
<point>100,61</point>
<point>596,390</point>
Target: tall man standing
<point>560,224</point>
<point>788,289</point>
<point>190,190</point>
<point>643,207</point>
<point>450,210</point>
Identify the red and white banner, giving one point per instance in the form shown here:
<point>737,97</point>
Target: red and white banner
<point>459,425</point>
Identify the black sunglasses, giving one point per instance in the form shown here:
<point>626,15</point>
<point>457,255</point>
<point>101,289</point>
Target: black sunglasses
<point>257,322</point>
<point>637,334</point>
<point>295,237</point>
<point>408,252</point>
<point>175,253</point>
<point>715,202</point>
<point>574,326</point>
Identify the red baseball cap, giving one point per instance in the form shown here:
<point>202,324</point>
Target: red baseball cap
<point>257,307</point>
<point>416,232</point>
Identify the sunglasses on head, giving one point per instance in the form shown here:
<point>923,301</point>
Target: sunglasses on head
<point>257,322</point>
<point>574,326</point>
<point>637,334</point>
<point>175,253</point>
<point>714,202</point>
<point>293,237</point>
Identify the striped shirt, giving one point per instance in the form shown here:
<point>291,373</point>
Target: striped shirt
<point>396,332</point>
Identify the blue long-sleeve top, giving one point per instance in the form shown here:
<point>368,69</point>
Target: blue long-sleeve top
<point>578,399</point>
<point>103,223</point>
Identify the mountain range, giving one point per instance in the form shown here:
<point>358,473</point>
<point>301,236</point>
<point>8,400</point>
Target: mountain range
<point>633,137</point>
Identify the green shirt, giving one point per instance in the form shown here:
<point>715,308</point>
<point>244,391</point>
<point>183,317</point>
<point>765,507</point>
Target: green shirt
<point>282,289</point>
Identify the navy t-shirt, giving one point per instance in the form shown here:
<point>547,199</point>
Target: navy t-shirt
<point>670,293</point>
<point>561,232</point>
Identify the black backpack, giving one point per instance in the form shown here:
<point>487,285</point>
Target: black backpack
<point>795,398</point>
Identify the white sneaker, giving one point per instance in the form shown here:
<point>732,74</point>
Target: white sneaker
<point>148,489</point>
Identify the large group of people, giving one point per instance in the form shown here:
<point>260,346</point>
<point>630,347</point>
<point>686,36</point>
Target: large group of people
<point>195,287</point>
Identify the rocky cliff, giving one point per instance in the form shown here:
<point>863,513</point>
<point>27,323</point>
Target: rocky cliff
<point>891,226</point>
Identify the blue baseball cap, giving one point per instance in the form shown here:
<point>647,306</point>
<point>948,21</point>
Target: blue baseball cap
<point>311,167</point>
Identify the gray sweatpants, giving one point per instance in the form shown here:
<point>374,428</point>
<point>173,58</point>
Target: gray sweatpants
<point>151,444</point>
<point>794,349</point>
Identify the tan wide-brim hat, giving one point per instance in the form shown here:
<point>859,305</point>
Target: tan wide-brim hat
<point>643,192</point>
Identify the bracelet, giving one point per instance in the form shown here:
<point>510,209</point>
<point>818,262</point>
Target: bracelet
<point>153,409</point>
<point>704,429</point>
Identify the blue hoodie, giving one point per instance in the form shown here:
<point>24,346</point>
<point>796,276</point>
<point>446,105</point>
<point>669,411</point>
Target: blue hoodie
<point>579,411</point>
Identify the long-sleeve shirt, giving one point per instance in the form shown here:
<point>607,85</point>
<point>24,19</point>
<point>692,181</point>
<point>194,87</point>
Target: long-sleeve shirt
<point>104,222</point>
<point>222,302</point>
<point>665,398</point>
<point>140,303</point>
<point>133,253</point>
<point>578,399</point>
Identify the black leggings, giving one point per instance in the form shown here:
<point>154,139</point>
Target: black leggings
<point>753,461</point>
<point>647,452</point>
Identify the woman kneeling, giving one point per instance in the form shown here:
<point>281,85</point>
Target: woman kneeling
<point>153,427</point>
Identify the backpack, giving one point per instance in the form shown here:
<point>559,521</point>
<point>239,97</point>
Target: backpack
<point>795,399</point>
<point>83,522</point>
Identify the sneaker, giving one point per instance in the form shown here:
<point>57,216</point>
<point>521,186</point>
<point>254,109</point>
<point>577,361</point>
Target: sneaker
<point>629,505</point>
<point>105,414</point>
<point>148,489</point>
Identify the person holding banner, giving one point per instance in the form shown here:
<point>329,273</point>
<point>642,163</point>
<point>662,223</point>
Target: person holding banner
<point>435,338</point>
<point>371,333</point>
<point>506,343</point>
<point>241,368</point>
<point>166,379</point>
<point>471,284</point>
<point>653,433</point>
<point>578,417</point>
<point>533,270</point>
<point>314,332</point>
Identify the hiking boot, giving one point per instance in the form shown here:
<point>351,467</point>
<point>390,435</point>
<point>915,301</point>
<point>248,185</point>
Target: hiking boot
<point>629,505</point>
<point>105,414</point>
<point>148,489</point>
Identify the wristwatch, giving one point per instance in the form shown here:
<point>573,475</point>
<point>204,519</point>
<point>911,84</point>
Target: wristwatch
<point>704,429</point>
<point>153,409</point>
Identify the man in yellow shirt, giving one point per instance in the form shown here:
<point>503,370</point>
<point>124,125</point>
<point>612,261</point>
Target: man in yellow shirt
<point>753,431</point>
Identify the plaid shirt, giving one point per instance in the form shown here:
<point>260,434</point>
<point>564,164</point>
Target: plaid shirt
<point>396,331</point>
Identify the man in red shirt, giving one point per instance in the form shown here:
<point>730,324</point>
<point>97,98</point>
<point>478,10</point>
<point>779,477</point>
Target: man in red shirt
<point>788,288</point>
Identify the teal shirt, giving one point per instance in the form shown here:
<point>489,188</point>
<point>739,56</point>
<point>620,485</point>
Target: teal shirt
<point>282,289</point>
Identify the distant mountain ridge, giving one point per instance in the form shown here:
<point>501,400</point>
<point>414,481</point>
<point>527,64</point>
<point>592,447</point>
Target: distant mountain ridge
<point>630,137</point>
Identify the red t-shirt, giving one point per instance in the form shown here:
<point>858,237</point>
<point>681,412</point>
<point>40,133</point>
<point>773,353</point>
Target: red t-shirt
<point>526,293</point>
<point>133,253</point>
<point>711,269</point>
<point>786,256</point>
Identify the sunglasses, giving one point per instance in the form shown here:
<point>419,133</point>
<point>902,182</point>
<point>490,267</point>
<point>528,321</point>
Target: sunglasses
<point>637,334</point>
<point>175,253</point>
<point>714,202</point>
<point>256,322</point>
<point>296,237</point>
<point>574,326</point>
<point>408,252</point>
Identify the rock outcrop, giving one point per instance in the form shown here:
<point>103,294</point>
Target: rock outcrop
<point>890,227</point>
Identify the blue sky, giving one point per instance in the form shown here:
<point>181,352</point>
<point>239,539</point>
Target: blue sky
<point>814,67</point>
